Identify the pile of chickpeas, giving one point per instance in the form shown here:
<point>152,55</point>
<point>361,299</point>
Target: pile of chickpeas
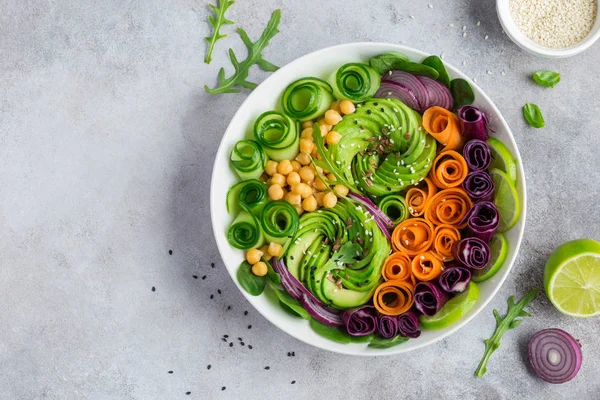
<point>297,182</point>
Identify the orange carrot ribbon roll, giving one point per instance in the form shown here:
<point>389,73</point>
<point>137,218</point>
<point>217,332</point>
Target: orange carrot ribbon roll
<point>413,236</point>
<point>449,207</point>
<point>444,126</point>
<point>445,237</point>
<point>449,169</point>
<point>397,267</point>
<point>417,197</point>
<point>426,266</point>
<point>393,297</point>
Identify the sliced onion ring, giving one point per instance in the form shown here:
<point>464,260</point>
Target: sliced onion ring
<point>555,356</point>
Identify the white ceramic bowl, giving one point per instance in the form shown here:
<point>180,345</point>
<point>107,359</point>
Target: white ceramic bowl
<point>265,97</point>
<point>513,32</point>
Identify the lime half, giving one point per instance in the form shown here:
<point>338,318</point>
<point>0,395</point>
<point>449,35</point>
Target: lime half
<point>506,199</point>
<point>503,159</point>
<point>454,309</point>
<point>572,278</point>
<point>499,248</point>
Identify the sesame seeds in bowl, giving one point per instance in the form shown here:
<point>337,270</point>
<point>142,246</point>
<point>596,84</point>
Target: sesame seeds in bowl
<point>550,28</point>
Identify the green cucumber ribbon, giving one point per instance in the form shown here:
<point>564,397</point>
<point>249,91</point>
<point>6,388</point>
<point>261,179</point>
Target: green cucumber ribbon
<point>278,135</point>
<point>394,206</point>
<point>248,159</point>
<point>356,82</point>
<point>249,195</point>
<point>307,98</point>
<point>279,221</point>
<point>245,233</point>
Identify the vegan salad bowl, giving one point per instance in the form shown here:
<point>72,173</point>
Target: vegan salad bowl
<point>368,199</point>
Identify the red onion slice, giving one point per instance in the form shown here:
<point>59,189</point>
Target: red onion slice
<point>413,84</point>
<point>439,95</point>
<point>393,90</point>
<point>555,356</point>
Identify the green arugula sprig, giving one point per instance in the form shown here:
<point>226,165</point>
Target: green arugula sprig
<point>240,75</point>
<point>217,21</point>
<point>503,324</point>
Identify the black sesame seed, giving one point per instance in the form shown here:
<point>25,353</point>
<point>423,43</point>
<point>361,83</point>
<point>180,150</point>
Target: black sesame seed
<point>219,291</point>
<point>267,368</point>
<point>292,258</point>
<point>203,277</point>
<point>376,104</point>
<point>170,252</point>
<point>170,372</point>
<point>188,393</point>
<point>369,112</point>
<point>231,344</point>
<point>293,354</point>
<point>250,346</point>
<point>223,339</point>
<point>293,382</point>
<point>208,366</point>
<point>289,354</point>
<point>240,339</point>
<point>229,307</point>
<point>242,343</point>
<point>225,336</point>
<point>249,326</point>
<point>382,110</point>
<point>195,276</point>
<point>153,289</point>
<point>245,312</point>
<point>212,265</point>
<point>223,388</point>
<point>212,296</point>
<point>356,121</point>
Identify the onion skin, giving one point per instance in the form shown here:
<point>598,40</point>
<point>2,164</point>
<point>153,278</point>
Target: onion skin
<point>360,321</point>
<point>408,325</point>
<point>551,343</point>
<point>473,123</point>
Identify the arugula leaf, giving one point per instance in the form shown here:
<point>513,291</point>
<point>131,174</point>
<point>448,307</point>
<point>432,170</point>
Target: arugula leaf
<point>326,163</point>
<point>344,255</point>
<point>240,75</point>
<point>253,284</point>
<point>217,24</point>
<point>533,115</point>
<point>503,324</point>
<point>546,78</point>
<point>380,343</point>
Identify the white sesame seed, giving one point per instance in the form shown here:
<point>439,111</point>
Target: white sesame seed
<point>464,27</point>
<point>489,72</point>
<point>412,17</point>
<point>486,37</point>
<point>430,5</point>
<point>464,34</point>
<point>451,25</point>
<point>478,23</point>
<point>442,56</point>
<point>464,63</point>
<point>503,73</point>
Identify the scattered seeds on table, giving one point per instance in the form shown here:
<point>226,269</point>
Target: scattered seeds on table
<point>219,291</point>
<point>412,17</point>
<point>188,393</point>
<point>153,289</point>
<point>208,366</point>
<point>293,382</point>
<point>231,344</point>
<point>212,265</point>
<point>486,37</point>
<point>212,296</point>
<point>228,307</point>
<point>170,372</point>
<point>195,276</point>
<point>203,277</point>
<point>250,346</point>
<point>249,326</point>
<point>245,312</point>
<point>430,5</point>
<point>170,252</point>
<point>267,368</point>
<point>478,23</point>
<point>223,388</point>
<point>464,34</point>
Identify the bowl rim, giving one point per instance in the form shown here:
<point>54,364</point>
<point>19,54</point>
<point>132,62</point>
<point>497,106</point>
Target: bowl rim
<point>223,246</point>
<point>515,34</point>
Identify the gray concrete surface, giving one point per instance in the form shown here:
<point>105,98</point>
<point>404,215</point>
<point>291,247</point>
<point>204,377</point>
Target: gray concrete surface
<point>106,148</point>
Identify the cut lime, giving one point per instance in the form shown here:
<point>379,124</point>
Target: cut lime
<point>499,248</point>
<point>503,159</point>
<point>454,309</point>
<point>572,278</point>
<point>506,199</point>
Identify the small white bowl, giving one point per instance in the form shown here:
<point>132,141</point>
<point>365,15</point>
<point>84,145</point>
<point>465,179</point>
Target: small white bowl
<point>323,63</point>
<point>513,32</point>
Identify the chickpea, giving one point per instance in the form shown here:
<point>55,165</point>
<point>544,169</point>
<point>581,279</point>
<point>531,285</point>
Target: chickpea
<point>295,165</point>
<point>325,129</point>
<point>307,174</point>
<point>319,170</point>
<point>319,197</point>
<point>265,250</point>
<point>275,192</point>
<point>309,203</point>
<point>293,198</point>
<point>341,190</point>
<point>332,117</point>
<point>303,159</point>
<point>307,133</point>
<point>331,177</point>
<point>299,209</point>
<point>271,167</point>
<point>285,167</point>
<point>347,107</point>
<point>253,256</point>
<point>314,153</point>
<point>302,189</point>
<point>259,269</point>
<point>307,124</point>
<point>333,137</point>
<point>293,178</point>
<point>306,146</point>
<point>320,185</point>
<point>335,106</point>
<point>275,249</point>
<point>278,179</point>
<point>329,200</point>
